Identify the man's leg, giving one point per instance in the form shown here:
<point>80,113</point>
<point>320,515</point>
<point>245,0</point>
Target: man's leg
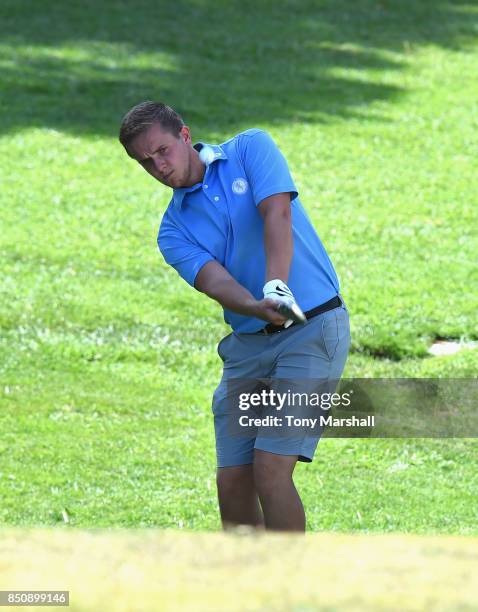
<point>305,355</point>
<point>282,506</point>
<point>238,501</point>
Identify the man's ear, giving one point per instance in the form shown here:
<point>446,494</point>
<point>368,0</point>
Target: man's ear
<point>185,134</point>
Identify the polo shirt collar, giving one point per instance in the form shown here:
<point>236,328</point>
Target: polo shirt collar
<point>218,150</point>
<point>178,194</point>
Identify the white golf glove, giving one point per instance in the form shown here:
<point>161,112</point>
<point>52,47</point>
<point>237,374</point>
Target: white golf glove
<point>277,290</point>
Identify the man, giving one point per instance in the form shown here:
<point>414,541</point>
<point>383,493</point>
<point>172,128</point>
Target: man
<point>236,231</point>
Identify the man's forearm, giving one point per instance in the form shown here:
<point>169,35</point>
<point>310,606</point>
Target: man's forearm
<point>278,244</point>
<point>232,296</point>
<point>216,282</point>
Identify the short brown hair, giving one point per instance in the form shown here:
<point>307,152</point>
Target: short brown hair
<point>140,117</point>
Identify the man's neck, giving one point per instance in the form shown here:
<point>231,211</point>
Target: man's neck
<point>198,170</point>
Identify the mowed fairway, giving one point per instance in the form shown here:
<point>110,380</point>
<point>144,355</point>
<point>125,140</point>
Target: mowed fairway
<point>107,358</point>
<point>168,571</point>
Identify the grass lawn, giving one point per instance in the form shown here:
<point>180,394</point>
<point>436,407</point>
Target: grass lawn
<point>107,358</point>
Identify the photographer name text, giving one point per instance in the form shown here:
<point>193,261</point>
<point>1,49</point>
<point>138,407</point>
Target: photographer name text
<point>321,421</point>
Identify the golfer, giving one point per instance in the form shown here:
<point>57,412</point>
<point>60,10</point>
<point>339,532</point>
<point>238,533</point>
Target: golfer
<point>236,230</point>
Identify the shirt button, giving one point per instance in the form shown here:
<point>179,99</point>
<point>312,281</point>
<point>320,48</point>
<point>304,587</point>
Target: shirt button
<point>216,198</point>
<point>206,186</point>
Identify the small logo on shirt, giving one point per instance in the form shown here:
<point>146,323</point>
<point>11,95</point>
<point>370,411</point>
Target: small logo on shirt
<point>240,186</point>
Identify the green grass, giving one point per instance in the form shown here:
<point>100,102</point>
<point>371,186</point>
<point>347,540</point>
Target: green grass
<point>108,358</point>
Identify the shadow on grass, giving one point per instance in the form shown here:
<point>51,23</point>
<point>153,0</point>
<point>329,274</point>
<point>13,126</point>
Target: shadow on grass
<point>78,66</point>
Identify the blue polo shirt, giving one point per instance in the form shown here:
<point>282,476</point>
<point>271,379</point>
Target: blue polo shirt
<point>218,220</point>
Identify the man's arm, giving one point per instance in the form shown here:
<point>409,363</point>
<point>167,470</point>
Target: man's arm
<point>216,282</point>
<point>276,214</point>
<point>278,243</point>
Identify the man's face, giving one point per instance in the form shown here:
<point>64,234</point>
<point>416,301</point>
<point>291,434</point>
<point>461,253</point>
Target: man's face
<point>169,159</point>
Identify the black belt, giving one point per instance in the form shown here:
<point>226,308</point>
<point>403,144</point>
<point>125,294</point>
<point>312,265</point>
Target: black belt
<point>335,302</point>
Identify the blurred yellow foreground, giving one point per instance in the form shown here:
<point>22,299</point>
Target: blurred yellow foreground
<point>124,570</point>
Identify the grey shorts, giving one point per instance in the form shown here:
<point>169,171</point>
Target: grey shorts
<point>317,350</point>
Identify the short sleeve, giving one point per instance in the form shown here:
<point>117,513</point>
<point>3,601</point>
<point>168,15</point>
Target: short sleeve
<point>186,257</point>
<point>266,167</point>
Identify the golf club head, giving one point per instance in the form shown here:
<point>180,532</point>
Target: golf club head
<point>292,311</point>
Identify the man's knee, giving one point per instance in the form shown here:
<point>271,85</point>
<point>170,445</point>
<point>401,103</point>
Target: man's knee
<point>271,471</point>
<point>236,480</point>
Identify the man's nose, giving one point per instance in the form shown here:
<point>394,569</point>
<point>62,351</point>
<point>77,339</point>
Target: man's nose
<point>159,164</point>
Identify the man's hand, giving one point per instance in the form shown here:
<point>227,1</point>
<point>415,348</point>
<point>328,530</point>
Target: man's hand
<point>286,305</point>
<point>266,310</point>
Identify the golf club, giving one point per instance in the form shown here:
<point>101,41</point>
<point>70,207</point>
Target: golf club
<point>292,311</point>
